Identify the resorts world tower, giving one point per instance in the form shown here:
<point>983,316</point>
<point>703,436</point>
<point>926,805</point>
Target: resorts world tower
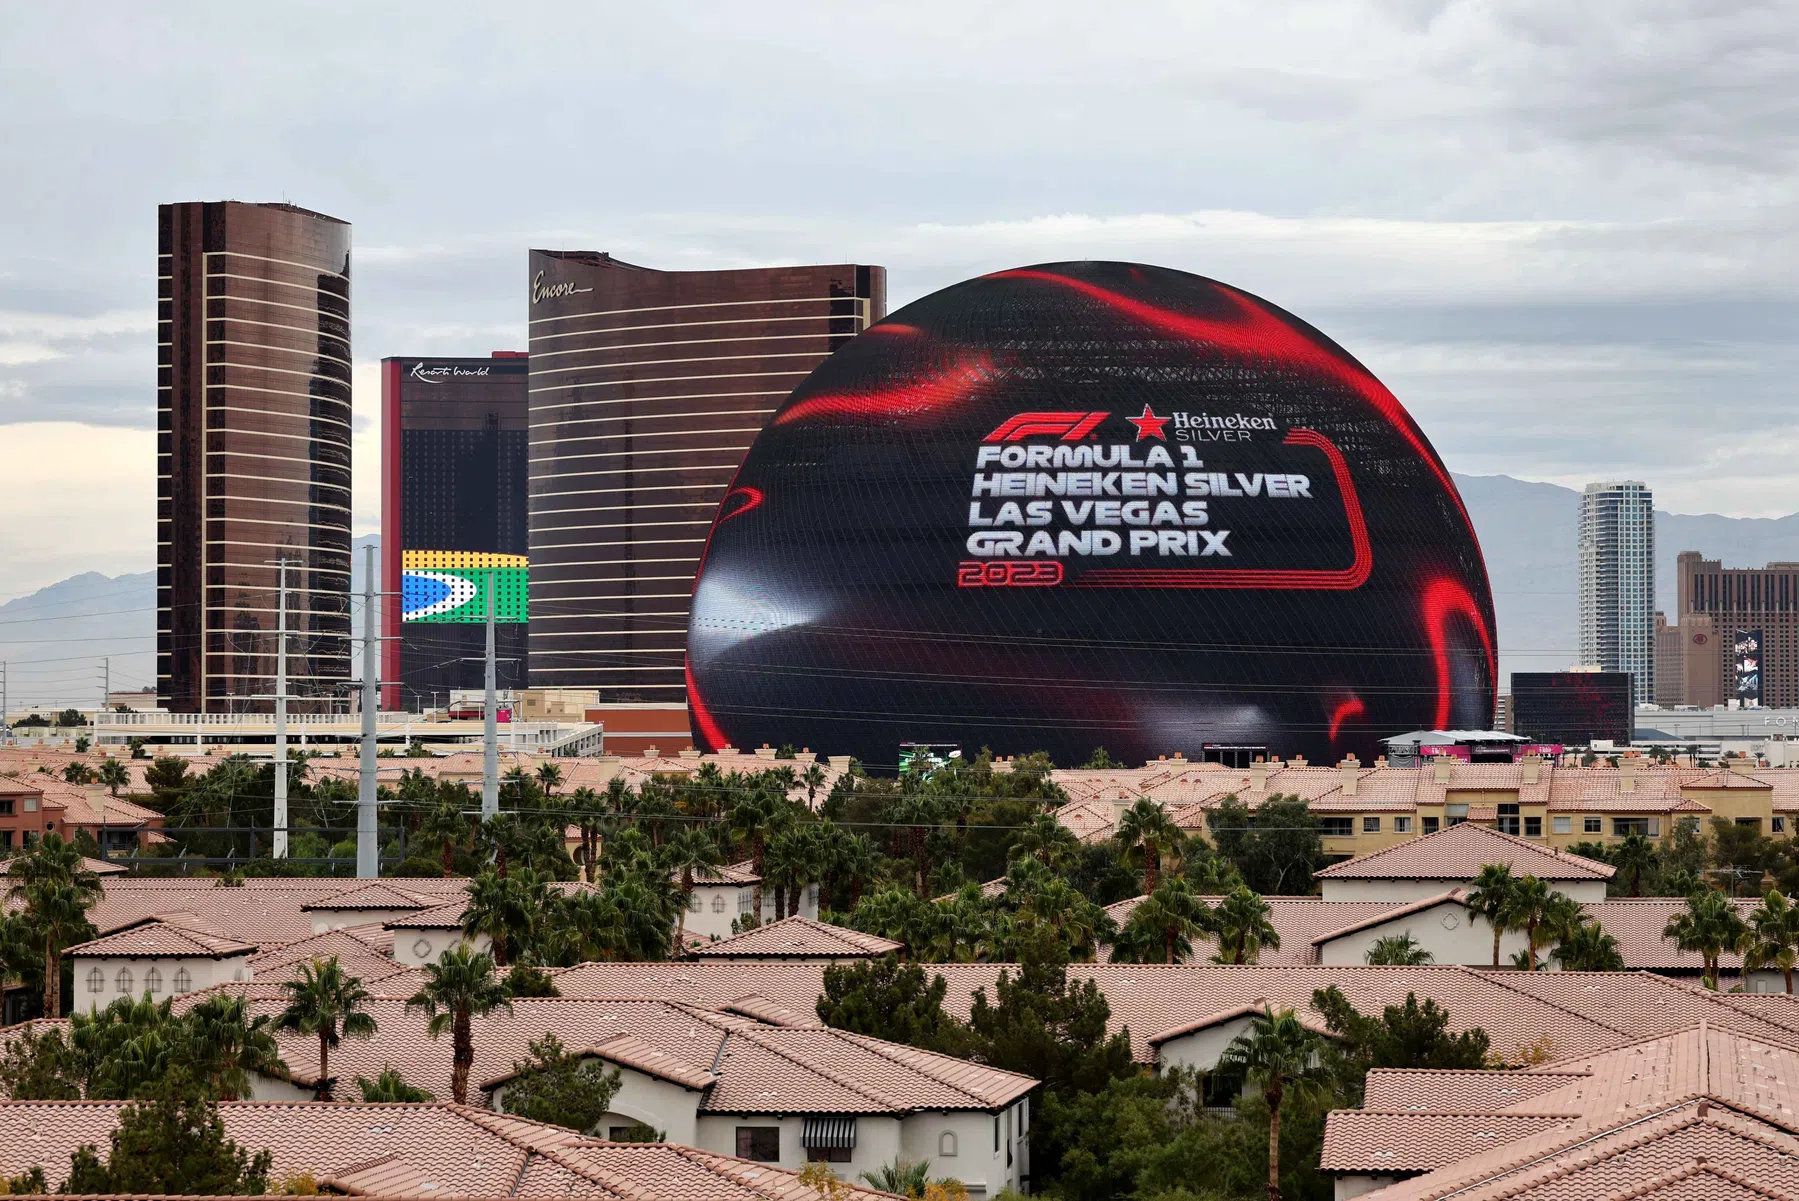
<point>646,389</point>
<point>253,453</point>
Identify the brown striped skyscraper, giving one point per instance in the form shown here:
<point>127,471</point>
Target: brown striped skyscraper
<point>253,453</point>
<point>646,389</point>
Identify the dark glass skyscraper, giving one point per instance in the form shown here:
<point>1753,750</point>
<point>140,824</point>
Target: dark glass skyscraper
<point>647,387</point>
<point>253,453</point>
<point>452,480</point>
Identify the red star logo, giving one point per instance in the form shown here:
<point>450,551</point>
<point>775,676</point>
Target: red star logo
<point>1149,425</point>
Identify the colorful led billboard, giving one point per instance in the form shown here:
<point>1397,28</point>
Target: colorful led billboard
<point>1090,504</point>
<point>451,586</point>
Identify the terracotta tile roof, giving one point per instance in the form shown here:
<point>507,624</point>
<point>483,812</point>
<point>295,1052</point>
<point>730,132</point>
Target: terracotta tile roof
<point>1638,1004</point>
<point>1459,852</point>
<point>798,938</point>
<point>1412,1089</point>
<point>373,895</point>
<point>1392,913</point>
<point>771,1013</point>
<point>424,1151</point>
<point>350,945</point>
<point>1369,1141</point>
<point>759,1068</point>
<point>98,866</point>
<point>1090,819</point>
<point>262,910</point>
<point>1307,1017</point>
<point>1300,921</point>
<point>1723,778</point>
<point>630,1051</point>
<point>730,873</point>
<point>154,939</point>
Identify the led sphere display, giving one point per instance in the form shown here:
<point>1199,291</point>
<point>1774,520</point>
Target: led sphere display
<point>1086,505</point>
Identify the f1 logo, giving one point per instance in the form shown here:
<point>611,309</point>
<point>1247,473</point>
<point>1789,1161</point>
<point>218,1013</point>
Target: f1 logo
<point>1070,427</point>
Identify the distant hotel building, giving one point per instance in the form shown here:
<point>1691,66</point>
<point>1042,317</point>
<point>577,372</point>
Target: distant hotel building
<point>647,387</point>
<point>1742,632</point>
<point>253,453</point>
<point>1617,582</point>
<point>453,464</point>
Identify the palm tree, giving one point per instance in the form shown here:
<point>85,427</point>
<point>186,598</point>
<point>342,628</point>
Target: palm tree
<point>856,859</point>
<point>1709,926</point>
<point>1242,923</point>
<point>112,773</point>
<point>814,779</point>
<point>1535,909</point>
<point>1773,936</point>
<point>1633,857</point>
<point>458,988</point>
<point>686,852</point>
<point>390,1086</point>
<point>1047,840</point>
<point>589,809</point>
<point>508,909</point>
<point>1163,925</point>
<point>78,773</point>
<point>445,826</point>
<point>327,1002</point>
<point>230,1044</point>
<point>906,1177</point>
<point>53,881</point>
<point>1588,948</point>
<point>595,924</point>
<point>1490,898</point>
<point>549,778</point>
<point>1057,905</point>
<point>1145,827</point>
<point>753,819</point>
<point>1398,950</point>
<point>1282,1056</point>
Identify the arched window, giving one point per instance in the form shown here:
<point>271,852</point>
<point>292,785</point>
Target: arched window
<point>152,980</point>
<point>96,979</point>
<point>122,982</point>
<point>693,903</point>
<point>183,981</point>
<point>718,903</point>
<point>743,900</point>
<point>946,1145</point>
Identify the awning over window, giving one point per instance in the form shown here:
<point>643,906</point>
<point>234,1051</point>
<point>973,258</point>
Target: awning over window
<point>829,1134</point>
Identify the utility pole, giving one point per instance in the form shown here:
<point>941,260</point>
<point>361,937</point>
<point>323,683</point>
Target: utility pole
<point>280,832</point>
<point>490,740</point>
<point>368,847</point>
<point>105,692</point>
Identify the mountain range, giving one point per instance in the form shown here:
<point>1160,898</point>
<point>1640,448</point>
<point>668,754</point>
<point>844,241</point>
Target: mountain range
<point>52,640</point>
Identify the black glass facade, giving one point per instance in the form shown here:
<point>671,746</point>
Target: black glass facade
<point>453,479</point>
<point>253,454</point>
<point>1090,505</point>
<point>1573,708</point>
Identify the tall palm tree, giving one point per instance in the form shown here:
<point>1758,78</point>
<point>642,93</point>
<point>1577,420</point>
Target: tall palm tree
<point>588,808</point>
<point>1708,927</point>
<point>814,779</point>
<point>752,820</point>
<point>595,924</point>
<point>1163,925</point>
<point>549,778</point>
<point>1773,936</point>
<point>1047,840</point>
<point>112,773</point>
<point>1242,923</point>
<point>1398,950</point>
<point>230,1044</point>
<point>1490,898</point>
<point>1057,905</point>
<point>458,988</point>
<point>508,909</point>
<point>53,881</point>
<point>856,859</point>
<point>1634,856</point>
<point>1283,1057</point>
<point>685,853</point>
<point>445,826</point>
<point>1145,827</point>
<point>328,1003</point>
<point>1588,948</point>
<point>1534,907</point>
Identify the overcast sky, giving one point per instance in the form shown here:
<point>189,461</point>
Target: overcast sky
<point>1563,233</point>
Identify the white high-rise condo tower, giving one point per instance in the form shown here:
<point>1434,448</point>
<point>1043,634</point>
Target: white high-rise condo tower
<point>1617,582</point>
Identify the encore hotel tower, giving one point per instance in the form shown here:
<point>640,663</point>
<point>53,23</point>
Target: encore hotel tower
<point>646,389</point>
<point>253,454</point>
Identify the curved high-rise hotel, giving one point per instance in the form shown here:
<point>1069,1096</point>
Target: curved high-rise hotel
<point>253,453</point>
<point>646,389</point>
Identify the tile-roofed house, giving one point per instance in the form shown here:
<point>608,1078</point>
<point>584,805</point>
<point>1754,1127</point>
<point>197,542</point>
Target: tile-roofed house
<point>724,895</point>
<point>158,956</point>
<point>799,939</point>
<point>262,910</point>
<point>374,901</point>
<point>1301,923</point>
<point>356,948</point>
<point>99,867</point>
<point>425,1150</point>
<point>1620,1120</point>
<point>699,1075</point>
<point>1422,866</point>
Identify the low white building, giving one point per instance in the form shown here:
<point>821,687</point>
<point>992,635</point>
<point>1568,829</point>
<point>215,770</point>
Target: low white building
<point>155,958</point>
<point>373,903</point>
<point>723,896</point>
<point>420,937</point>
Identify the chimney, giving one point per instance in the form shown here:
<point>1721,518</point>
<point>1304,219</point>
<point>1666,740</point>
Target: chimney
<point>1627,775</point>
<point>1258,775</point>
<point>1440,768</point>
<point>1742,766</point>
<point>1298,761</point>
<point>1532,766</point>
<point>1352,771</point>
